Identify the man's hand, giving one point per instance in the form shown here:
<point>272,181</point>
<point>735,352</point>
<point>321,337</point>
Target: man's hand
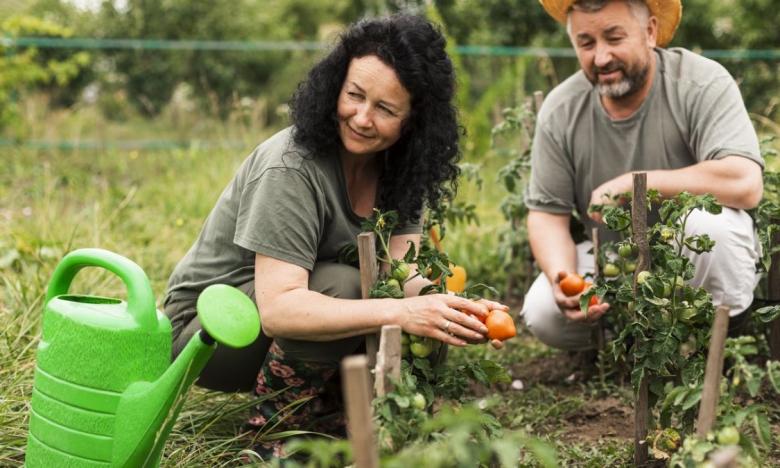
<point>605,194</point>
<point>570,305</point>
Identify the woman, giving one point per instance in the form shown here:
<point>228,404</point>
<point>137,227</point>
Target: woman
<point>373,126</point>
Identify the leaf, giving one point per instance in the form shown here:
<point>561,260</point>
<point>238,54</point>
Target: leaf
<point>410,254</point>
<point>763,430</point>
<point>692,399</point>
<point>478,374</point>
<point>495,372</point>
<point>768,314</point>
<point>773,372</point>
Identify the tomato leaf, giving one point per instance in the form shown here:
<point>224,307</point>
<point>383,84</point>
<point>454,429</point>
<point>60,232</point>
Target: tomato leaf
<point>768,314</point>
<point>763,430</point>
<point>693,399</point>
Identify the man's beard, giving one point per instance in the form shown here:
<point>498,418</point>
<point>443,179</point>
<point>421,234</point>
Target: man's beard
<point>631,81</point>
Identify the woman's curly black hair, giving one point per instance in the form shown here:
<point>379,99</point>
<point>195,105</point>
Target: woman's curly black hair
<point>421,167</point>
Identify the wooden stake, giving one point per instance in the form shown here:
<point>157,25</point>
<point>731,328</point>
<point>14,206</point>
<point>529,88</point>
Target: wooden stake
<point>773,293</point>
<point>708,408</point>
<point>388,360</point>
<point>639,224</point>
<point>357,396</point>
<point>368,276</point>
<point>594,234</point>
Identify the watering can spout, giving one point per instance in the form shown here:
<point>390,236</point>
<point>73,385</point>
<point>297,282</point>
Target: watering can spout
<point>147,411</point>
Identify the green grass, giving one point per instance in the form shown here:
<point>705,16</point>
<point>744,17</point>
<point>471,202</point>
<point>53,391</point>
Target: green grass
<point>149,206</point>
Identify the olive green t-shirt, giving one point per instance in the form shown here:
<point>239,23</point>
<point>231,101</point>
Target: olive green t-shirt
<point>694,112</point>
<point>279,204</point>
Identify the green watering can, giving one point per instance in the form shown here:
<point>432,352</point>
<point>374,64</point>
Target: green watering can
<point>105,392</point>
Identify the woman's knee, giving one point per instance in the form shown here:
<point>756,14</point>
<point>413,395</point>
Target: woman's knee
<point>335,280</point>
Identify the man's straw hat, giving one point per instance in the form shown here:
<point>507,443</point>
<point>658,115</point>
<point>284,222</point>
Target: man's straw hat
<point>668,13</point>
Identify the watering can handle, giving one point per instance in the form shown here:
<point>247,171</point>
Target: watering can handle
<point>140,298</point>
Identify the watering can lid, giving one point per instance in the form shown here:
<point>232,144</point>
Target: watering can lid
<point>228,315</point>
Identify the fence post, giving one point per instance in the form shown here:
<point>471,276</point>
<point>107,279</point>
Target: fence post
<point>639,224</point>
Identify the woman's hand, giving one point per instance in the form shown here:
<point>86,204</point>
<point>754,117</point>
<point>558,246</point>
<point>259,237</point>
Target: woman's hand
<point>448,318</point>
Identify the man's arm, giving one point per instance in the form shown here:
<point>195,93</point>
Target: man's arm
<point>734,181</point>
<point>551,243</point>
<point>555,252</point>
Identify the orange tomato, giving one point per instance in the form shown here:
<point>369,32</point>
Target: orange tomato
<point>455,283</point>
<point>500,325</point>
<point>572,284</point>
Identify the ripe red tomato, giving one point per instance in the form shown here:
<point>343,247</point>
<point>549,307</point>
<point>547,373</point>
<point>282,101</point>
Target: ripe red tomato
<point>572,284</point>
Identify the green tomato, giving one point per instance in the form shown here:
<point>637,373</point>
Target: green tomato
<point>667,234</point>
<point>667,289</point>
<point>392,282</point>
<point>728,435</point>
<point>642,276</point>
<point>629,267</point>
<point>405,350</point>
<point>400,272</point>
<point>421,349</point>
<point>625,250</point>
<point>436,344</point>
<point>405,340</point>
<point>418,401</point>
<point>611,270</point>
<point>686,314</point>
<point>415,338</point>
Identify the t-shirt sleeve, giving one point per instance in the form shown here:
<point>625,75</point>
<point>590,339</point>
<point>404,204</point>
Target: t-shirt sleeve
<point>721,125</point>
<point>551,186</point>
<point>278,217</point>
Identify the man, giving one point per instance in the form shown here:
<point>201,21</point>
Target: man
<point>635,107</point>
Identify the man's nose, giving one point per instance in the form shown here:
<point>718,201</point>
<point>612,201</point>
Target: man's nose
<point>603,55</point>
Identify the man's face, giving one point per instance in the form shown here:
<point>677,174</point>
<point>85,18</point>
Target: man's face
<point>614,48</point>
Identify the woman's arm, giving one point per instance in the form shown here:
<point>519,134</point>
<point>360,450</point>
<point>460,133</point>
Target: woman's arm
<point>289,309</point>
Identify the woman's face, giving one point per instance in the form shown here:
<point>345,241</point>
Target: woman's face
<point>372,106</point>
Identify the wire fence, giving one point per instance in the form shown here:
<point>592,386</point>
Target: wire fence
<point>11,44</point>
<point>482,50</point>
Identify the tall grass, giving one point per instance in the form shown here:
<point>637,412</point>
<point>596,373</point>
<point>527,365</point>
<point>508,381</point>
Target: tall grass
<point>149,206</point>
<point>146,205</point>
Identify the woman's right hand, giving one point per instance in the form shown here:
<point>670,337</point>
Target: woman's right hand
<point>447,318</point>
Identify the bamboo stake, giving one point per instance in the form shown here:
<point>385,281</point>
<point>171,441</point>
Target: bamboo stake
<point>708,408</point>
<point>356,382</point>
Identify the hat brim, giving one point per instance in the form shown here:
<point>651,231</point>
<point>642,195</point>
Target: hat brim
<point>668,12</point>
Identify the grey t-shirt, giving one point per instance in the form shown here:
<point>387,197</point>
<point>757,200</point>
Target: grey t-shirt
<point>694,112</point>
<point>279,204</point>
